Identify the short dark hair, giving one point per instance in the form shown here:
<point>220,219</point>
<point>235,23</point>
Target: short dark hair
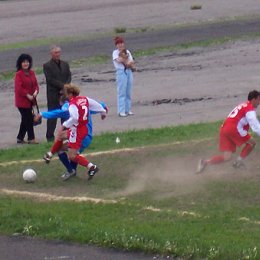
<point>22,58</point>
<point>253,95</point>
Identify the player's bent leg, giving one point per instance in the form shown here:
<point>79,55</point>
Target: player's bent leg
<point>65,161</point>
<point>201,165</point>
<point>247,149</point>
<point>227,155</point>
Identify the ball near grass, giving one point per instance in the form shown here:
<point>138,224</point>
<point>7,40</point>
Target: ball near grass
<point>29,176</point>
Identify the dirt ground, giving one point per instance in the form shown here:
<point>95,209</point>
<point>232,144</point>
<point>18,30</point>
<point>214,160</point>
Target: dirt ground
<point>193,86</point>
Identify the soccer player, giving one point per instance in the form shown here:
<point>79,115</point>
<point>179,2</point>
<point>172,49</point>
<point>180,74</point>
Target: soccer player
<point>234,132</point>
<point>77,126</point>
<point>63,113</point>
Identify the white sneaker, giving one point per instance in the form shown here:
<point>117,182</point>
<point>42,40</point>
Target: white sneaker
<point>92,171</point>
<point>122,114</point>
<point>47,157</point>
<point>68,175</point>
<point>130,113</point>
<point>201,166</point>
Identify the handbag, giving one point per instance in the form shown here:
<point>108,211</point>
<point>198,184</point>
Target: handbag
<point>34,113</point>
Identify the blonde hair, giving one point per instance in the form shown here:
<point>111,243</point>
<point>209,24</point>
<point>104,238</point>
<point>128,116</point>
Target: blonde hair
<point>71,89</point>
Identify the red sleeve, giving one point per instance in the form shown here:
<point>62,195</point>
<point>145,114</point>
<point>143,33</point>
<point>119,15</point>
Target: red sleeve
<point>36,85</point>
<point>18,83</point>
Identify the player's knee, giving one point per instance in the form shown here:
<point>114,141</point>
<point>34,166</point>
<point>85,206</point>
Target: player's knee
<point>252,142</point>
<point>227,156</point>
<point>72,157</point>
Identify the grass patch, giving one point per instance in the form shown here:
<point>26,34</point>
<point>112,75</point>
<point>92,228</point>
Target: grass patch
<point>120,30</point>
<point>91,61</point>
<point>196,7</point>
<point>134,138</point>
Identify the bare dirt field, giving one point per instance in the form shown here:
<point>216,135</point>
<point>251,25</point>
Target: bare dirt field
<point>211,79</point>
<point>194,86</point>
<point>188,86</point>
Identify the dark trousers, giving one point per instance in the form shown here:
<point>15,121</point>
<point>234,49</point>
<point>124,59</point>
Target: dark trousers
<point>26,125</point>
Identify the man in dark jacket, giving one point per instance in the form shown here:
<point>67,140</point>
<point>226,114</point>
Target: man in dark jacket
<point>57,73</point>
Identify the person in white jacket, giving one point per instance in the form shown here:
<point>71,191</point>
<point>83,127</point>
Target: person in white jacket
<point>234,133</point>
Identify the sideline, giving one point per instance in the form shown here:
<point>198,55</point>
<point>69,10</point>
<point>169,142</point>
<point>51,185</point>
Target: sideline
<point>50,197</point>
<point>115,151</point>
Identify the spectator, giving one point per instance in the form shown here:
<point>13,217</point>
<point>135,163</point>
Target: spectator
<point>123,64</point>
<point>26,89</point>
<point>57,73</point>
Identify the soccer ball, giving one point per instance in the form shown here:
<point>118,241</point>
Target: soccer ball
<point>29,175</point>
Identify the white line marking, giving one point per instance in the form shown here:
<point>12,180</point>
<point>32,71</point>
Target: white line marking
<point>46,196</point>
<point>110,151</point>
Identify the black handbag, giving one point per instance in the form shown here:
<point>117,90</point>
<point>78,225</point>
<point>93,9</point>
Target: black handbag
<point>35,107</point>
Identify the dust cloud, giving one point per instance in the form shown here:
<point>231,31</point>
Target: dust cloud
<point>166,178</point>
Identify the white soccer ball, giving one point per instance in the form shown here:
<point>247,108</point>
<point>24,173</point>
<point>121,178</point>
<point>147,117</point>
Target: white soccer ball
<point>29,175</point>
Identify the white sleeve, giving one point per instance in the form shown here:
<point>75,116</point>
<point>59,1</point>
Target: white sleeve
<point>74,117</point>
<point>95,106</point>
<point>115,54</point>
<point>253,121</point>
<point>130,57</point>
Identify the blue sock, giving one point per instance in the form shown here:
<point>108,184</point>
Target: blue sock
<point>65,161</point>
<point>74,165</point>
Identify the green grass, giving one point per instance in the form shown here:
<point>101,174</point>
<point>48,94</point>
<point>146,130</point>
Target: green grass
<point>162,207</point>
<point>133,138</point>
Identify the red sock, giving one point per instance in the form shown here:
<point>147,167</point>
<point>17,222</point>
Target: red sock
<point>81,160</point>
<point>246,150</point>
<point>216,159</point>
<point>56,146</point>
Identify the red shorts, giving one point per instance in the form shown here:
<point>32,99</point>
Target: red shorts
<point>76,136</point>
<point>229,139</point>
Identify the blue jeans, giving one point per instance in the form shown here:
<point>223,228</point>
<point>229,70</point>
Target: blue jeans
<point>124,80</point>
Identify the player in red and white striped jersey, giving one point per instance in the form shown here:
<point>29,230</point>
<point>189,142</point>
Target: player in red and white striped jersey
<point>76,125</point>
<point>234,133</point>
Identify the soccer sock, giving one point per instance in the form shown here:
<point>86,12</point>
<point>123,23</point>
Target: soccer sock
<point>74,165</point>
<point>81,160</point>
<point>246,150</point>
<point>56,146</point>
<point>216,159</point>
<point>65,161</point>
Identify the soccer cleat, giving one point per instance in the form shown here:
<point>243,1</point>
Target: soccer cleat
<point>92,171</point>
<point>201,166</point>
<point>68,175</point>
<point>47,157</point>
<point>238,164</point>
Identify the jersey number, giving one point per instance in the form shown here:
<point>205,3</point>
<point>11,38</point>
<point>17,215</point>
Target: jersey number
<point>85,116</point>
<point>235,111</point>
